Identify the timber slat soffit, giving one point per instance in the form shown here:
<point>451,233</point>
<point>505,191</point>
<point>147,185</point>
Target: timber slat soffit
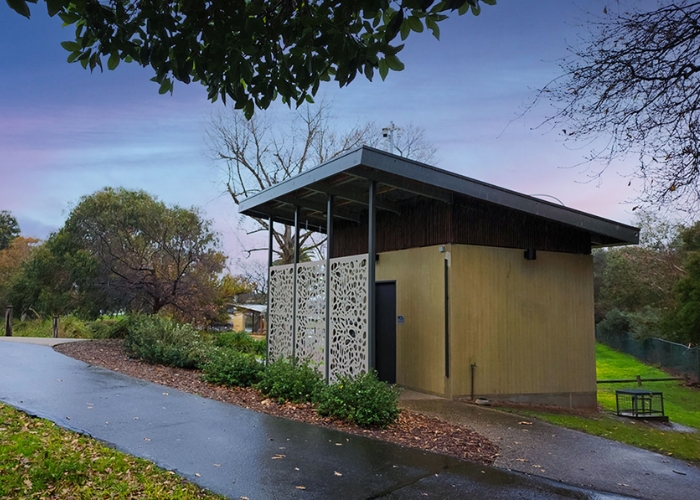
<point>402,181</point>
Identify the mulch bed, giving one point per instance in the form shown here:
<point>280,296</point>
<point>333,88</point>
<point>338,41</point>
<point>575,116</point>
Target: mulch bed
<point>411,429</point>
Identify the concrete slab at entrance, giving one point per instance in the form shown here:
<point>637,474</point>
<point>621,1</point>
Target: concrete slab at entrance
<point>566,455</point>
<point>237,452</point>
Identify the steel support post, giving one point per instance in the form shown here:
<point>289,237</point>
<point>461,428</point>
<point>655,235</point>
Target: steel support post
<point>371,263</point>
<point>270,239</point>
<point>294,294</point>
<point>329,253</point>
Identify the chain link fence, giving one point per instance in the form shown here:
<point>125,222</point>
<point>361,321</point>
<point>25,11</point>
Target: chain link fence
<point>669,355</point>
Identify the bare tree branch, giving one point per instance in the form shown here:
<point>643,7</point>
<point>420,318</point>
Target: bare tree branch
<point>633,87</point>
<point>256,155</point>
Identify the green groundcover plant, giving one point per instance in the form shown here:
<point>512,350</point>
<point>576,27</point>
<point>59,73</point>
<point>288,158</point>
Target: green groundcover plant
<point>160,340</point>
<point>287,381</point>
<point>232,368</point>
<point>365,400</point>
<point>241,342</point>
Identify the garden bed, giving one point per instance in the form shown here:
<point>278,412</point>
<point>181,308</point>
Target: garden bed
<point>411,429</point>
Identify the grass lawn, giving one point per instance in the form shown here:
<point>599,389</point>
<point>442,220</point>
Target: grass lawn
<point>41,460</point>
<point>681,403</point>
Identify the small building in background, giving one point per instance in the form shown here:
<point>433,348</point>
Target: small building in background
<point>250,318</point>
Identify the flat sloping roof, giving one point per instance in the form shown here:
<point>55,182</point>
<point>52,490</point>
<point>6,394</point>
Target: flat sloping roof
<point>400,180</point>
<point>259,308</point>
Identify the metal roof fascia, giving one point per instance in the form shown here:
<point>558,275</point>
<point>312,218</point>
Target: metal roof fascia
<point>434,177</point>
<point>470,187</point>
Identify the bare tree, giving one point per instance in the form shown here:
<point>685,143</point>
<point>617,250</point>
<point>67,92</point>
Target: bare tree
<point>633,87</point>
<point>259,153</point>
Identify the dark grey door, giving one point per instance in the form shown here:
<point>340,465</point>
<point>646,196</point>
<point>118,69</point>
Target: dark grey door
<point>385,331</point>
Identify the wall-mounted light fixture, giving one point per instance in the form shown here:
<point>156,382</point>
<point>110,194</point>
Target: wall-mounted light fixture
<point>530,254</point>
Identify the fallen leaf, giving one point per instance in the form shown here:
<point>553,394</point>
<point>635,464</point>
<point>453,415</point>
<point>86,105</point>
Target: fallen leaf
<point>301,487</point>
<point>278,456</point>
<point>524,422</point>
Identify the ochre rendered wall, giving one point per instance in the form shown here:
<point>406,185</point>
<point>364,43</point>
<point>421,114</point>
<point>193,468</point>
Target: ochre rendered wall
<point>420,293</point>
<point>238,321</point>
<point>528,325</point>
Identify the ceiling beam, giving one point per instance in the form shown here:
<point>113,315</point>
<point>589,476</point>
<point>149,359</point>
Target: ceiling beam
<point>408,185</point>
<point>315,206</point>
<point>352,194</point>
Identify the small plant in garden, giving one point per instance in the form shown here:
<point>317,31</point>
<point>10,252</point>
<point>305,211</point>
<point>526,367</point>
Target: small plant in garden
<point>241,342</point>
<point>71,327</point>
<point>286,381</point>
<point>232,368</point>
<point>163,341</point>
<point>365,400</point>
<point>108,328</point>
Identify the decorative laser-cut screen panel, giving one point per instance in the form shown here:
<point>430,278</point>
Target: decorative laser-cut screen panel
<point>281,311</point>
<point>349,317</point>
<point>311,313</point>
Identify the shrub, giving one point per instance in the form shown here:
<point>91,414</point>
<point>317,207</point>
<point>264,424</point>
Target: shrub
<point>163,341</point>
<point>241,342</point>
<point>643,324</point>
<point>120,329</point>
<point>232,368</point>
<point>365,400</point>
<point>615,322</point>
<point>288,382</point>
<point>108,328</point>
<point>70,327</point>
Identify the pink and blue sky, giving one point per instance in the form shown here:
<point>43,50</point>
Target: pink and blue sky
<point>66,132</point>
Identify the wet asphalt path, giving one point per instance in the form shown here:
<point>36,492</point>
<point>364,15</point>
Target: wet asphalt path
<point>237,452</point>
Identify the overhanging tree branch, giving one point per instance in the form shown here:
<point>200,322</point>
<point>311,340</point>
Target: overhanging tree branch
<point>248,51</point>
